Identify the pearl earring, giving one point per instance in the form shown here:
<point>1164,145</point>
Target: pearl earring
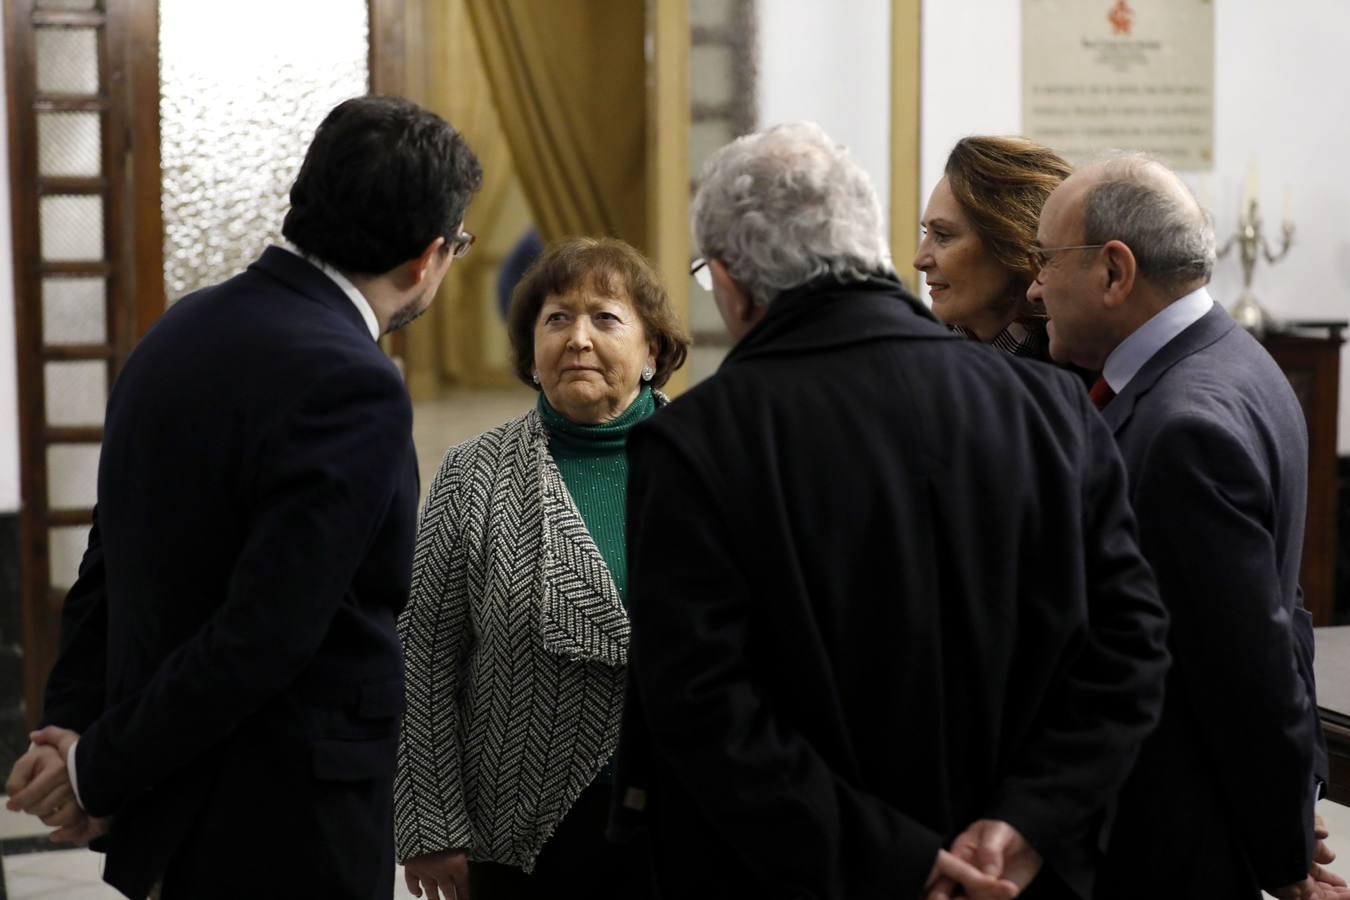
<point>535,376</point>
<point>648,373</point>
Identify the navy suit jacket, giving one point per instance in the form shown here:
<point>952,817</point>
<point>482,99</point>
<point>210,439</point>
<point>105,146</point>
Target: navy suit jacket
<point>229,653</point>
<point>1219,804</point>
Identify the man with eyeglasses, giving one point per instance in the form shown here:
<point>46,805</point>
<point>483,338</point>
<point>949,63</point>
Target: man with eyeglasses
<point>225,709</point>
<point>1220,803</point>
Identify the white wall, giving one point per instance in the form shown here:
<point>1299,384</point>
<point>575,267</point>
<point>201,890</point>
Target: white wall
<point>831,63</point>
<point>1282,98</point>
<point>9,408</point>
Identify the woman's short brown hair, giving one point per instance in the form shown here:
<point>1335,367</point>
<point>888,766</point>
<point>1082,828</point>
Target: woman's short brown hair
<point>612,267</point>
<point>1001,184</point>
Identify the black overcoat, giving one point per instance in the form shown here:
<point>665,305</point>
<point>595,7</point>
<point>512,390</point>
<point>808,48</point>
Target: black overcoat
<point>883,582</point>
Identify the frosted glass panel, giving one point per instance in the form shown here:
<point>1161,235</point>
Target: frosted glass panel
<point>72,476</point>
<point>72,227</point>
<point>74,311</point>
<point>66,548</point>
<point>705,137</point>
<point>67,60</point>
<point>710,73</point>
<point>710,13</point>
<point>68,144</point>
<point>239,105</point>
<point>76,392</point>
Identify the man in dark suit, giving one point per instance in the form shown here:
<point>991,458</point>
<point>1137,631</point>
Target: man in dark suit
<point>1220,803</point>
<point>230,682</point>
<point>884,581</point>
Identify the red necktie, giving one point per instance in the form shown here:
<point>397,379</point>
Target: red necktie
<point>1100,393</point>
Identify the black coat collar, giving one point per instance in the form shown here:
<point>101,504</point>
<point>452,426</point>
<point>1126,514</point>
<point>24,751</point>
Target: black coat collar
<point>828,312</point>
<point>303,277</point>
<point>1200,334</point>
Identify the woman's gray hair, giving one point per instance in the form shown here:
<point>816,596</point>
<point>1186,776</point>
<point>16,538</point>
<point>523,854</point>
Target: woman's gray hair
<point>1138,201</point>
<point>786,205</point>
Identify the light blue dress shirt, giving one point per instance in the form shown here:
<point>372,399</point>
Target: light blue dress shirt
<point>1132,353</point>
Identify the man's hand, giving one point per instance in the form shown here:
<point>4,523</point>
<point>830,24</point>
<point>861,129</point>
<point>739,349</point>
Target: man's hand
<point>446,871</point>
<point>998,849</point>
<point>1322,856</point>
<point>1320,832</point>
<point>53,736</point>
<point>951,874</point>
<point>82,831</point>
<point>39,785</point>
<point>1312,889</point>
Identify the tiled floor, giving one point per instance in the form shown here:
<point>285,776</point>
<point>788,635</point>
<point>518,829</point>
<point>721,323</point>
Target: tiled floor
<point>59,875</point>
<point>75,874</point>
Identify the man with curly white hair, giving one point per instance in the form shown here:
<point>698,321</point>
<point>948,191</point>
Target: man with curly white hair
<point>885,586</point>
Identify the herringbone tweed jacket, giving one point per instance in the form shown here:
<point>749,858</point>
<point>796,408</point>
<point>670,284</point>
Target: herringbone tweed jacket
<point>516,642</point>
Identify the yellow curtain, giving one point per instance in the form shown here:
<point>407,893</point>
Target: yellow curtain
<point>446,74</point>
<point>553,97</point>
<point>569,83</point>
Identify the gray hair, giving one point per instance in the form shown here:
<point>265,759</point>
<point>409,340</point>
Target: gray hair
<point>1140,202</point>
<point>786,205</point>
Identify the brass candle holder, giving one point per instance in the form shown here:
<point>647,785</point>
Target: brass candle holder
<point>1251,242</point>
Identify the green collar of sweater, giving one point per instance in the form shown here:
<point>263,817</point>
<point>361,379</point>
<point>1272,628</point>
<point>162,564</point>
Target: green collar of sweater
<point>568,438</point>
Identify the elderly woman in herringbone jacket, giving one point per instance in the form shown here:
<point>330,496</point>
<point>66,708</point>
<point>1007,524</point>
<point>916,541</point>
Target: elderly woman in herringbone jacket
<point>516,634</point>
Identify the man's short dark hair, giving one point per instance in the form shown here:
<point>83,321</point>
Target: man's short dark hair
<point>382,179</point>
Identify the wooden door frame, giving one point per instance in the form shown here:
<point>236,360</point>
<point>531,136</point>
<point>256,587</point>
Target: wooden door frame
<point>131,264</point>
<point>906,126</point>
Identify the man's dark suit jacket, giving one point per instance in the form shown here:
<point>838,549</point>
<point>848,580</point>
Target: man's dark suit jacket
<point>883,582</point>
<point>1219,804</point>
<point>229,654</point>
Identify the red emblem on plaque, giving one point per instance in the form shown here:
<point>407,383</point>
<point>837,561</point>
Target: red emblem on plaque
<point>1121,18</point>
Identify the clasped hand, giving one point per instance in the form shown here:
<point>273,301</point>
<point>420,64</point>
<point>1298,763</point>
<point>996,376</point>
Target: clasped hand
<point>1321,883</point>
<point>39,784</point>
<point>990,860</point>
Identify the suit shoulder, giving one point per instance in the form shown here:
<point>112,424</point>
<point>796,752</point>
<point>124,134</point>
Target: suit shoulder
<point>1181,436</point>
<point>1234,384</point>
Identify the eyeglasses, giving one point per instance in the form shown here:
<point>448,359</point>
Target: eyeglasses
<point>1042,255</point>
<point>702,275</point>
<point>460,243</point>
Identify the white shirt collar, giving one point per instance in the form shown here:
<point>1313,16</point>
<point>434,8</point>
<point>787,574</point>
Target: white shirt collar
<point>1132,353</point>
<point>353,293</point>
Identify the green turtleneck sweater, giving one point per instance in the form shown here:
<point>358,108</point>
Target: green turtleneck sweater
<point>594,467</point>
